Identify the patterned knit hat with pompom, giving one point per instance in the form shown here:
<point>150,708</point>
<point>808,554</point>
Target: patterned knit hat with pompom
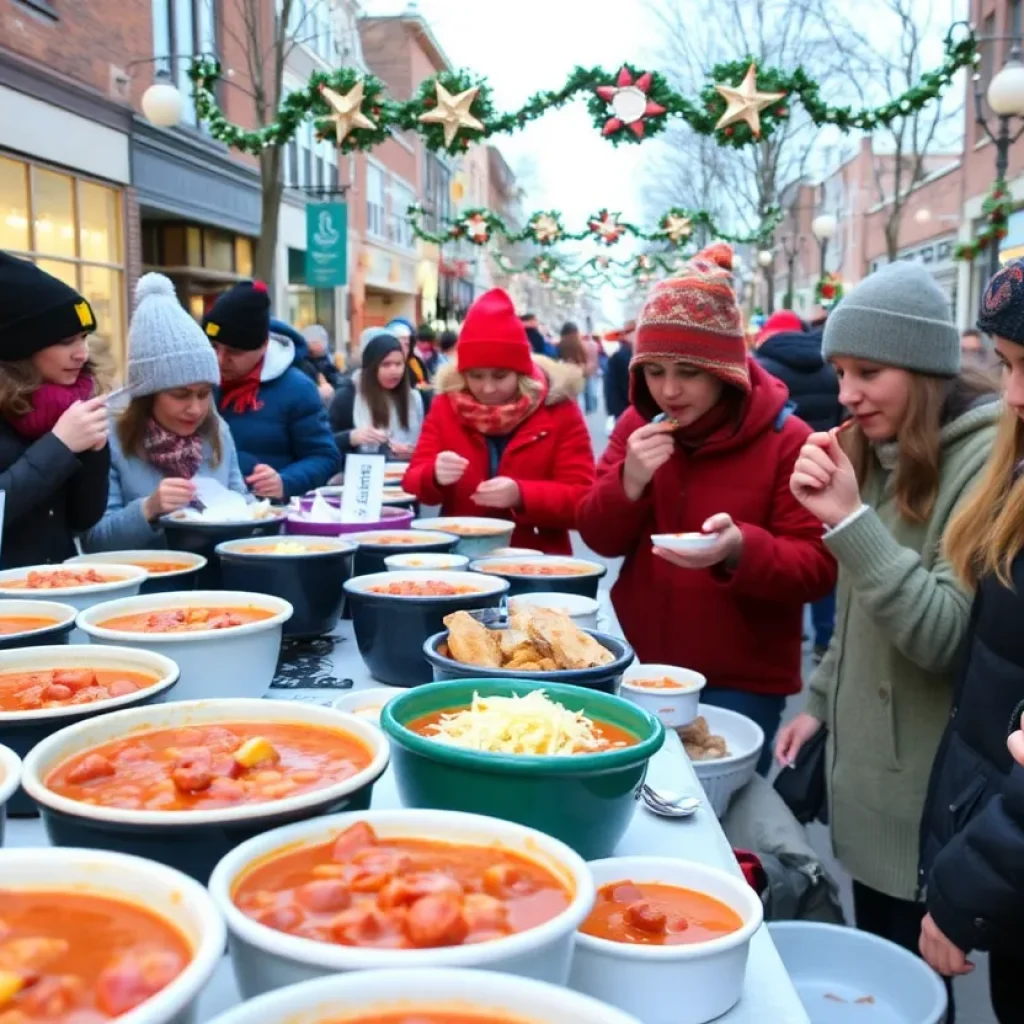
<point>1002,305</point>
<point>693,318</point>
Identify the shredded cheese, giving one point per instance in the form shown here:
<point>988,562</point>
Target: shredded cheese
<point>533,724</point>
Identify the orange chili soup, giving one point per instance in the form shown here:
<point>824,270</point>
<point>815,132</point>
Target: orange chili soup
<point>472,531</point>
<point>398,893</point>
<point>57,687</point>
<point>59,579</point>
<point>11,624</point>
<point>203,767</point>
<point>665,683</point>
<point>284,548</point>
<point>652,914</point>
<point>430,1016</point>
<point>74,958</point>
<point>427,588</point>
<point>397,538</point>
<point>539,569</point>
<point>162,568</point>
<point>185,620</point>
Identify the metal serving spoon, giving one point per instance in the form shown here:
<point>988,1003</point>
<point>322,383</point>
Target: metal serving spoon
<point>667,804</point>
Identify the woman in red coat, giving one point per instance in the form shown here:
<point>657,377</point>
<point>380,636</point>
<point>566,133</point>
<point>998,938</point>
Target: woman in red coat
<point>504,436</point>
<point>719,465</point>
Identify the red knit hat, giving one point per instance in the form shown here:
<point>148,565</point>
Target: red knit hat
<point>783,321</point>
<point>694,318</point>
<point>493,337</point>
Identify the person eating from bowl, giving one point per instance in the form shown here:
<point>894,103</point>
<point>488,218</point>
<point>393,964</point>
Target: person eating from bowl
<point>169,434</point>
<point>273,409</point>
<point>505,436</point>
<point>718,464</point>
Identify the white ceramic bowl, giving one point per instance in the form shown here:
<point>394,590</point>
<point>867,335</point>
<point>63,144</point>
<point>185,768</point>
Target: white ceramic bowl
<point>164,892</point>
<point>125,582</point>
<point>426,560</point>
<point>138,556</point>
<point>684,542</point>
<point>63,615</point>
<point>582,610</point>
<point>367,703</point>
<point>10,779</point>
<point>477,545</point>
<point>265,959</point>
<point>832,967</point>
<point>237,662</point>
<point>686,984</point>
<point>514,552</point>
<point>675,706</point>
<point>725,776</point>
<point>348,997</point>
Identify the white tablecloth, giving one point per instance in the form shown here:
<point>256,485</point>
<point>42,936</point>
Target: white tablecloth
<point>769,995</point>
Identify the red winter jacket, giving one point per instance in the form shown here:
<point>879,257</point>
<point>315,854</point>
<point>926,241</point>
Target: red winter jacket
<point>743,629</point>
<point>549,456</point>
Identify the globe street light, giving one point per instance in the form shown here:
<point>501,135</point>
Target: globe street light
<point>823,227</point>
<point>163,103</point>
<point>765,257</point>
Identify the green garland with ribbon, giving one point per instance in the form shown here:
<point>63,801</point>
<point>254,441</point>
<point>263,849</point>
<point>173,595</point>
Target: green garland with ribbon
<point>546,228</point>
<point>598,271</point>
<point>828,290</point>
<point>996,209</point>
<point>629,105</point>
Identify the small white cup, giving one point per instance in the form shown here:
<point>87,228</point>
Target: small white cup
<point>676,705</point>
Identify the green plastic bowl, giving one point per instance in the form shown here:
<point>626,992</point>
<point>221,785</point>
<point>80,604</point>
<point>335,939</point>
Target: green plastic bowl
<point>585,800</point>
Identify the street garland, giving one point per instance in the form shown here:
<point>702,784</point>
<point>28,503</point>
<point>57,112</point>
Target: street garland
<point>741,104</point>
<point>546,228</point>
<point>828,290</point>
<point>601,270</point>
<point>996,209</point>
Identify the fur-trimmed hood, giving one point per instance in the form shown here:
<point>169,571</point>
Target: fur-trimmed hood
<point>565,382</point>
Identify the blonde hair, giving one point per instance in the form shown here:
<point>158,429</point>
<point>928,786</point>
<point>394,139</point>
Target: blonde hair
<point>987,532</point>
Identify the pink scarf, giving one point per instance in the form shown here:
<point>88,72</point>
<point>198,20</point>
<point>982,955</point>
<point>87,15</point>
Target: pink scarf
<point>49,403</point>
<point>173,454</point>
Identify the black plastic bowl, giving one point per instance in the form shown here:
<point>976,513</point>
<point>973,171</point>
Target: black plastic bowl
<point>390,630</point>
<point>202,539</point>
<point>193,841</point>
<point>585,584</point>
<point>370,552</point>
<point>605,678</point>
<point>63,616</point>
<point>22,730</point>
<point>311,579</point>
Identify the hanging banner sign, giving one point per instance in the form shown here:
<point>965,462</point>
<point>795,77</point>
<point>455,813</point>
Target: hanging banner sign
<point>326,245</point>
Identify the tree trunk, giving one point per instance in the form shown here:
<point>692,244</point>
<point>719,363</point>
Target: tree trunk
<point>270,209</point>
<point>892,237</point>
<point>787,299</point>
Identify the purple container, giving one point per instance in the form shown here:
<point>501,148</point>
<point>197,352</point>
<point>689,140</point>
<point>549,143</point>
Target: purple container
<point>391,519</point>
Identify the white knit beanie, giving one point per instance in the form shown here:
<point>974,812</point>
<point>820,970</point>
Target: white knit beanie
<point>166,347</point>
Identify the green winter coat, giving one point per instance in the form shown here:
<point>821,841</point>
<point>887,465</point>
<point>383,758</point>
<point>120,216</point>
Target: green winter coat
<point>885,686</point>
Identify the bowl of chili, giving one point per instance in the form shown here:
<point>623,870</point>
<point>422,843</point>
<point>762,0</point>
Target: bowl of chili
<point>585,799</point>
<point>226,642</point>
<point>544,574</point>
<point>307,572</point>
<point>450,890</point>
<point>44,689</point>
<point>476,535</point>
<point>10,780</point>
<point>605,678</point>
<point>34,623</point>
<point>447,995</point>
<point>374,546</point>
<point>77,585</point>
<point>122,938</point>
<point>661,926</point>
<point>168,570</point>
<point>393,613</point>
<point>200,777</point>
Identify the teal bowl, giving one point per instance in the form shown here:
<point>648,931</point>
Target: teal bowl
<point>585,800</point>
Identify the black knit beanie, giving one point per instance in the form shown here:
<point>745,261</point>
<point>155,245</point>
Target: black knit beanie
<point>1002,305</point>
<point>37,310</point>
<point>240,318</point>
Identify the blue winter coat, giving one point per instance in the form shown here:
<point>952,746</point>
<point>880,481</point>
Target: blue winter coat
<point>290,431</point>
<point>796,359</point>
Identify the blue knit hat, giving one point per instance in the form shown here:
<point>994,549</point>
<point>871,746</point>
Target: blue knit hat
<point>1002,305</point>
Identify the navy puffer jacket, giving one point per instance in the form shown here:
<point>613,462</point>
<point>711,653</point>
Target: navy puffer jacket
<point>795,358</point>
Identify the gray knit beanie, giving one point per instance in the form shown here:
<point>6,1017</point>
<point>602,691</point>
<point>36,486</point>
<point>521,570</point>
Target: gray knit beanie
<point>898,317</point>
<point>166,347</point>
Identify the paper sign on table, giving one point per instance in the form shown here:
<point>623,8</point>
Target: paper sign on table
<point>363,498</point>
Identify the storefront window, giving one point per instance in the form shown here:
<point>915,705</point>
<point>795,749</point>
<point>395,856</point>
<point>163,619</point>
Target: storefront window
<point>218,250</point>
<point>53,206</point>
<point>13,205</point>
<point>99,223</point>
<point>243,256</point>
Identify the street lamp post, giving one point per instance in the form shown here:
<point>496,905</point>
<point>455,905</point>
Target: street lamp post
<point>791,249</point>
<point>823,227</point>
<point>765,259</point>
<point>1006,100</point>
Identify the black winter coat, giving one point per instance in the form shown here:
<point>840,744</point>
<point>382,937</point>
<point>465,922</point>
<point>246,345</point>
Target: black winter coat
<point>797,361</point>
<point>972,829</point>
<point>52,494</point>
<point>616,380</point>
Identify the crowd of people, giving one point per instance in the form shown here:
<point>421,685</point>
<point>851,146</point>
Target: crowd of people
<point>869,465</point>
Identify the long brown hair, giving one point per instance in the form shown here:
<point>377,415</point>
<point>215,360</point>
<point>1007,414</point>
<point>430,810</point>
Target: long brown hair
<point>987,532</point>
<point>378,399</point>
<point>932,402</point>
<point>570,347</point>
<point>132,423</point>
<point>19,380</point>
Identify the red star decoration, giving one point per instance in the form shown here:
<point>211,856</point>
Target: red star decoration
<point>629,103</point>
<point>606,227</point>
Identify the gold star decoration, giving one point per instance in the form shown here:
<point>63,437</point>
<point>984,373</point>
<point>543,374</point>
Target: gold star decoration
<point>348,110</point>
<point>677,228</point>
<point>452,112</point>
<point>745,103</point>
<point>545,228</point>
